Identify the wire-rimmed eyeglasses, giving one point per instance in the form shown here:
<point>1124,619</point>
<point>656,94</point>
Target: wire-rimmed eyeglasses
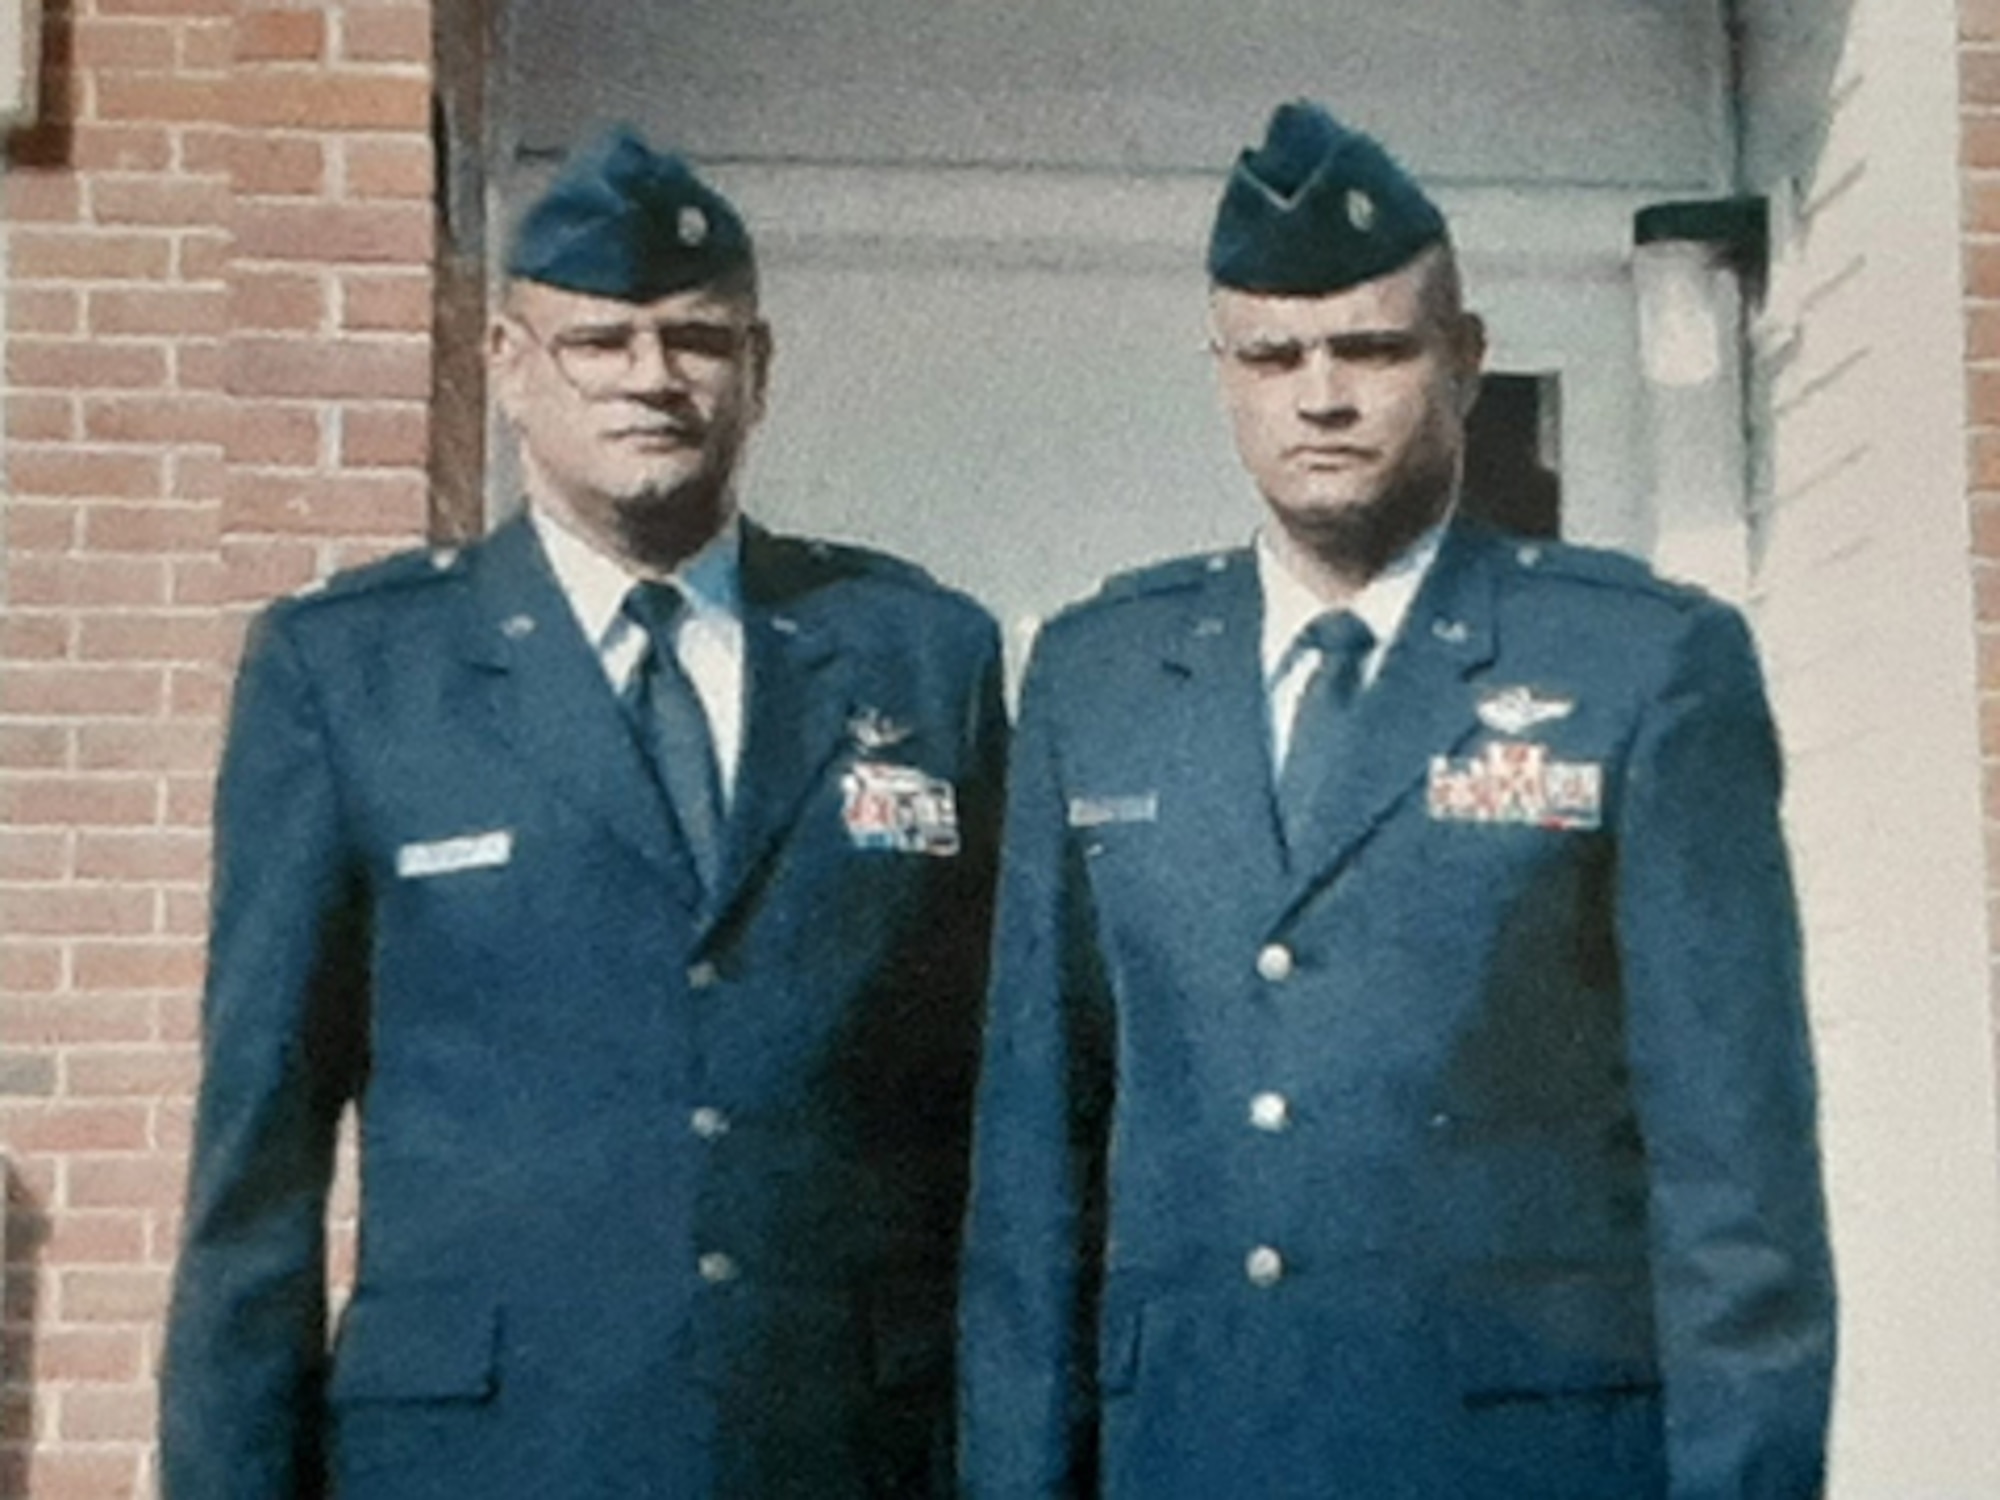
<point>610,359</point>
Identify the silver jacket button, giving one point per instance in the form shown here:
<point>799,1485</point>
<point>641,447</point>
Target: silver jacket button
<point>1264,1266</point>
<point>716,1268</point>
<point>1271,1112</point>
<point>1275,963</point>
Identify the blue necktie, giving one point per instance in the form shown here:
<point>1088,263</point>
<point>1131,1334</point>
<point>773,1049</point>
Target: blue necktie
<point>1322,730</point>
<point>673,727</point>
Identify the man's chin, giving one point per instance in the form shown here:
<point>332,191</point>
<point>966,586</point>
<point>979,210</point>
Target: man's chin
<point>663,523</point>
<point>1364,533</point>
<point>658,473</point>
<point>1333,514</point>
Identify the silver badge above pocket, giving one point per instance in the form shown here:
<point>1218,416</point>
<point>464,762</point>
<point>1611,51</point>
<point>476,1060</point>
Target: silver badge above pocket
<point>1516,710</point>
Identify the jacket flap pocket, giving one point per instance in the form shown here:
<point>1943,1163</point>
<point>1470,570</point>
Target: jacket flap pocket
<point>416,1346</point>
<point>1548,1340</point>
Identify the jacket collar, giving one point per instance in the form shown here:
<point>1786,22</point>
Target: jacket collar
<point>553,706</point>
<point>1417,706</point>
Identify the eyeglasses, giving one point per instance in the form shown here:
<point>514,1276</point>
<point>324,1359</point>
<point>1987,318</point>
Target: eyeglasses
<point>605,359</point>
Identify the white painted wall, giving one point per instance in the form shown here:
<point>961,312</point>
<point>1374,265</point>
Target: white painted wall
<point>1863,601</point>
<point>1499,91</point>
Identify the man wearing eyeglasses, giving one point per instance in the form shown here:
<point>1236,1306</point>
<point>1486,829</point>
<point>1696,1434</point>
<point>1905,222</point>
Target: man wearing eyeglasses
<point>629,874</point>
<point>1397,1083</point>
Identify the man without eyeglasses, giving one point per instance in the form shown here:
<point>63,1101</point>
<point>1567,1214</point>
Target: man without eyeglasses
<point>1396,1082</point>
<point>629,874</point>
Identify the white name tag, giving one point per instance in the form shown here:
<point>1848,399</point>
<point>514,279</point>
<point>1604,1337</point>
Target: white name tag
<point>1095,812</point>
<point>471,851</point>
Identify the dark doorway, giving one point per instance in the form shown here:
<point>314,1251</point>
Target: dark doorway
<point>1513,446</point>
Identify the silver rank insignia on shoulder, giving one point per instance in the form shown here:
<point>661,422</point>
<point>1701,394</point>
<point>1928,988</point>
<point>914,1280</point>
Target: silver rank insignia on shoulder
<point>1516,710</point>
<point>898,809</point>
<point>1516,781</point>
<point>874,730</point>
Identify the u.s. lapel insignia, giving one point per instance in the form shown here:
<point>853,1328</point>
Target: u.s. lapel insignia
<point>1517,781</point>
<point>1516,710</point>
<point>874,731</point>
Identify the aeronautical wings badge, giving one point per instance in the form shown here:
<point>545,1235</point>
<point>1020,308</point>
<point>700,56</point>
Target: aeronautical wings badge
<point>874,731</point>
<point>1516,710</point>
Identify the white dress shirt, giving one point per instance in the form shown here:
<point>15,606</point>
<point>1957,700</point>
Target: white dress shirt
<point>1290,606</point>
<point>708,641</point>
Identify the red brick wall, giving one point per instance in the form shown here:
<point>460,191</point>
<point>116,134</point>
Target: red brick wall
<point>218,360</point>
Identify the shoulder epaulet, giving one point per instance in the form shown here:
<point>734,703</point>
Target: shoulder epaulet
<point>1167,577</point>
<point>852,561</point>
<point>418,565</point>
<point>789,563</point>
<point>1599,566</point>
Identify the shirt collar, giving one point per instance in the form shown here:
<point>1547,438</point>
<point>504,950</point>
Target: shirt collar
<point>1382,603</point>
<point>596,583</point>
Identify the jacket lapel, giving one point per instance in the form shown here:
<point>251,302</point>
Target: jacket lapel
<point>1418,706</point>
<point>796,705</point>
<point>552,705</point>
<point>1217,738</point>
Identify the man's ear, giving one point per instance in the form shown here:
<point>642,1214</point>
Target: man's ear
<point>1468,359</point>
<point>504,347</point>
<point>760,350</point>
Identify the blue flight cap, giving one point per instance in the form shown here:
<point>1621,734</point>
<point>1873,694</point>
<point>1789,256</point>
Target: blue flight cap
<point>1316,209</point>
<point>625,221</point>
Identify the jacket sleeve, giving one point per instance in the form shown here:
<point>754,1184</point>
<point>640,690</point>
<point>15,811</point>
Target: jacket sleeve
<point>1721,1062</point>
<point>283,1027</point>
<point>1033,1243</point>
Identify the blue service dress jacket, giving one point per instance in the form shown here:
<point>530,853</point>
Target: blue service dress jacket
<point>1466,1152</point>
<point>659,1193</point>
